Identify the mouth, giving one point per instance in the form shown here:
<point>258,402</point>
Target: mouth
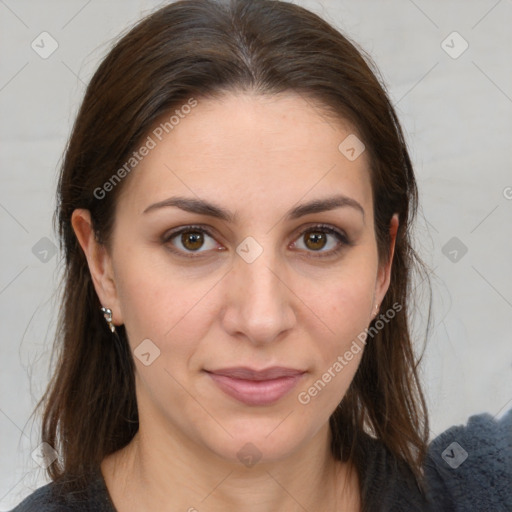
<point>256,387</point>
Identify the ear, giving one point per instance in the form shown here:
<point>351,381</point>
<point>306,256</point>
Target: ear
<point>384,272</point>
<point>99,262</point>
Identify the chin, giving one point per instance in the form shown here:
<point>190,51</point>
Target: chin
<point>259,442</point>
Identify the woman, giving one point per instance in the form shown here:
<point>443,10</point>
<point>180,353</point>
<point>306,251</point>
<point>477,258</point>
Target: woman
<point>235,207</point>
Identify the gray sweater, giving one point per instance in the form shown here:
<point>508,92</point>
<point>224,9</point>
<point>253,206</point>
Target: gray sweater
<point>468,468</point>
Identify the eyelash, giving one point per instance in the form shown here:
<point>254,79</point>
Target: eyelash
<point>323,228</point>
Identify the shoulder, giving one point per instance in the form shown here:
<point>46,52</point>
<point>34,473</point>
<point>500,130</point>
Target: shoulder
<point>389,484</point>
<point>44,499</point>
<point>68,496</point>
<point>469,467</point>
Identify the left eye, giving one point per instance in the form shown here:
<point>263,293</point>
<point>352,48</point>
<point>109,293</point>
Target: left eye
<point>314,239</point>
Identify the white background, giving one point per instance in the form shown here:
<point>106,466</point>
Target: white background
<point>457,114</point>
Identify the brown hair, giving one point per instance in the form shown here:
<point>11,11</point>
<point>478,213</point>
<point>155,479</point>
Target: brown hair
<point>204,48</point>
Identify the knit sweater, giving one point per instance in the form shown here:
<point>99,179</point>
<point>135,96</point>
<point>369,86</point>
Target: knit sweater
<point>468,468</point>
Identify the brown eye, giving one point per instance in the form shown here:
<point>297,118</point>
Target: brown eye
<point>315,240</point>
<point>192,240</point>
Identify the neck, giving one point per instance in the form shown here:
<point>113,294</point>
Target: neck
<point>176,475</point>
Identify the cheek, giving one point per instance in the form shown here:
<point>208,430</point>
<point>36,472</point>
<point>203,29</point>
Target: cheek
<point>351,306</point>
<point>157,302</point>
<point>344,307</point>
<point>172,308</point>
<point>344,304</point>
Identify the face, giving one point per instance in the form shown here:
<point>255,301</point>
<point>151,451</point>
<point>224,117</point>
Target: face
<point>205,298</point>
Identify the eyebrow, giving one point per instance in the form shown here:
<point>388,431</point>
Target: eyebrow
<point>203,207</point>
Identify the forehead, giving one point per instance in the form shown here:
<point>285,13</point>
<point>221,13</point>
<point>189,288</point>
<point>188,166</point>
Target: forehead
<point>247,149</point>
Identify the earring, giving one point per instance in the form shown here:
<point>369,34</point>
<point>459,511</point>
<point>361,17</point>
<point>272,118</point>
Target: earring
<point>107,313</point>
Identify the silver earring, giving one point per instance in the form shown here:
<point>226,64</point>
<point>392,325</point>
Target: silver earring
<point>107,313</point>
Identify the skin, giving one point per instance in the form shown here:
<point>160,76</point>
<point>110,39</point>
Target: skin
<point>259,157</point>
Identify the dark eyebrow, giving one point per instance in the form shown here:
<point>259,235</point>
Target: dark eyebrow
<point>323,205</point>
<point>203,207</point>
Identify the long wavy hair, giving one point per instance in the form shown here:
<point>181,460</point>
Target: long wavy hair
<point>200,49</point>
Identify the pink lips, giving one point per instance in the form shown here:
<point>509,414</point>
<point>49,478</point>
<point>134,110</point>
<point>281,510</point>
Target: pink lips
<point>253,387</point>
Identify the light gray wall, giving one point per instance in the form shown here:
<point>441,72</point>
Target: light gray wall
<point>457,116</point>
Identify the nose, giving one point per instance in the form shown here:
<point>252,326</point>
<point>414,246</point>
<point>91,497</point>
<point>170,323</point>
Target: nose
<point>259,301</point>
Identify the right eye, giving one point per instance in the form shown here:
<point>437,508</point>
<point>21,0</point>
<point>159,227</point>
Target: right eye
<point>190,238</point>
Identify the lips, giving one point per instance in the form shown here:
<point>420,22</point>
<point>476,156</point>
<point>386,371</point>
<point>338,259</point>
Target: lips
<point>256,387</point>
<point>245,373</point>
